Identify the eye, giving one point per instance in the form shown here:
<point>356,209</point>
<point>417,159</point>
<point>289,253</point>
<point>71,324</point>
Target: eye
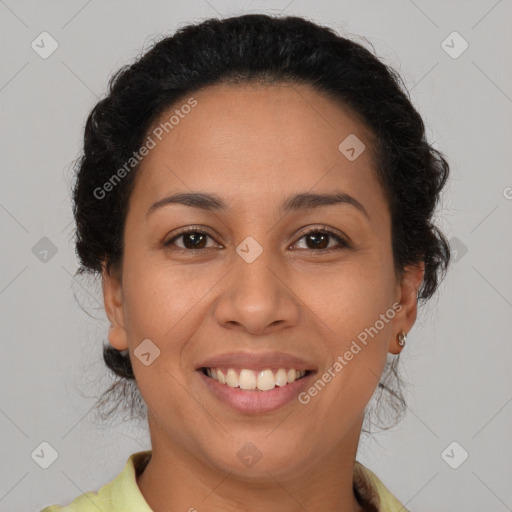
<point>317,239</point>
<point>192,239</point>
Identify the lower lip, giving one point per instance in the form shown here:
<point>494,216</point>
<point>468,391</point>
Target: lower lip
<point>256,402</point>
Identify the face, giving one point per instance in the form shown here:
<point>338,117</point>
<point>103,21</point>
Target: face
<point>269,276</point>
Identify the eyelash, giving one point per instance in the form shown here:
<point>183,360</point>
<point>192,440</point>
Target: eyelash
<point>343,244</point>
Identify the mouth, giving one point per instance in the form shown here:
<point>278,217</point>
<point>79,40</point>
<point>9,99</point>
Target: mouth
<point>255,392</point>
<point>249,380</point>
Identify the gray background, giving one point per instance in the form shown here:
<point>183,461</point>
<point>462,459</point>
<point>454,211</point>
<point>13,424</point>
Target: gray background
<point>458,355</point>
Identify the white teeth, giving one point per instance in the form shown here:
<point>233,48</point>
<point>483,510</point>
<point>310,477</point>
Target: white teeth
<point>266,380</point>
<point>250,380</point>
<point>247,380</point>
<point>281,378</point>
<point>232,378</point>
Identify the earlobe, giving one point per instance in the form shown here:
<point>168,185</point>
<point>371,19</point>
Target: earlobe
<point>408,299</point>
<point>113,302</point>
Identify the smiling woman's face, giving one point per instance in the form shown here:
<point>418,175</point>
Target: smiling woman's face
<point>306,296</point>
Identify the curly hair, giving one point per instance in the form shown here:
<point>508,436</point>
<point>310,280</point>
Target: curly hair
<point>264,49</point>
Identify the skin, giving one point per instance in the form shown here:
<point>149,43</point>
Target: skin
<point>254,146</point>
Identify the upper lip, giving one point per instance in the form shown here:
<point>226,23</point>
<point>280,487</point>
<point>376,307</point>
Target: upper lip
<point>257,361</point>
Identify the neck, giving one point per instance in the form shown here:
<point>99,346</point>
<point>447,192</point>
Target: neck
<point>176,479</point>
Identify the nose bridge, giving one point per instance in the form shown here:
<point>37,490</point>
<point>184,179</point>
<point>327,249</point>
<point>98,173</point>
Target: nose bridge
<point>255,296</point>
<point>255,284</point>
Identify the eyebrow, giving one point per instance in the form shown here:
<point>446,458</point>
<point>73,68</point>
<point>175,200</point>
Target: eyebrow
<point>296,202</point>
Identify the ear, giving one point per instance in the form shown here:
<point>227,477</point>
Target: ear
<point>114,307</point>
<point>407,296</point>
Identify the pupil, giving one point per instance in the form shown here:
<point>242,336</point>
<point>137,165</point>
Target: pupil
<point>319,240</point>
<point>316,238</point>
<point>195,237</point>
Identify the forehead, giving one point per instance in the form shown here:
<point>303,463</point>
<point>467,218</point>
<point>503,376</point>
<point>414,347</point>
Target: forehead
<point>258,142</point>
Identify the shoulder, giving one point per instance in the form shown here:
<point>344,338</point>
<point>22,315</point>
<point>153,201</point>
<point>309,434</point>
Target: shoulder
<point>120,495</point>
<point>373,492</point>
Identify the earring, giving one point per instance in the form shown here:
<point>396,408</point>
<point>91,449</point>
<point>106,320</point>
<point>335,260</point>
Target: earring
<point>402,337</point>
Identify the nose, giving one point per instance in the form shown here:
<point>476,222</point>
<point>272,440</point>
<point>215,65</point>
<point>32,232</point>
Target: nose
<point>256,297</point>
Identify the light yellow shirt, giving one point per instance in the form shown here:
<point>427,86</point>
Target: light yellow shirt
<point>123,494</point>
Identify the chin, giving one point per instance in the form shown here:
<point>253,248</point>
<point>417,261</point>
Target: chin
<point>254,463</point>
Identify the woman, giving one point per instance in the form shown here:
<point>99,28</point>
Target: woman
<point>257,195</point>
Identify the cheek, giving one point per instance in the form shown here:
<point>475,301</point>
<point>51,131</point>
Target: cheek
<point>353,310</point>
<point>162,305</point>
<point>159,296</point>
<point>350,297</point>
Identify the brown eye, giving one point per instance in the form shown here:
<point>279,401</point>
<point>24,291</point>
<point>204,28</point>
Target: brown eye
<point>190,240</point>
<point>319,239</point>
<point>316,240</point>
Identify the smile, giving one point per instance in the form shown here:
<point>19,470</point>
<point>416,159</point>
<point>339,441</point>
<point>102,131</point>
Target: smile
<point>253,400</point>
<point>250,380</point>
